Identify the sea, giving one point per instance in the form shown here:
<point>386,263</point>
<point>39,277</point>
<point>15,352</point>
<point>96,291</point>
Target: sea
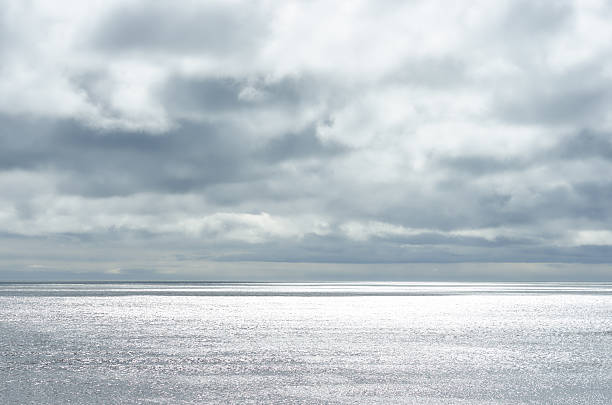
<point>306,343</point>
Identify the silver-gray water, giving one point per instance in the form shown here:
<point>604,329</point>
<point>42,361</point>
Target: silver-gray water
<point>192,343</point>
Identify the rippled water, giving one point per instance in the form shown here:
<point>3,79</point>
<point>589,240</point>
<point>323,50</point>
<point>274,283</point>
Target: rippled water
<point>306,343</point>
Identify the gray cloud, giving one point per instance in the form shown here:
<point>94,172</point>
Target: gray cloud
<point>529,19</point>
<point>482,165</point>
<point>577,96</point>
<point>303,144</point>
<point>585,145</point>
<point>216,29</point>
<point>189,156</point>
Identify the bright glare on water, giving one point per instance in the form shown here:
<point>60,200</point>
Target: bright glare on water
<point>194,343</point>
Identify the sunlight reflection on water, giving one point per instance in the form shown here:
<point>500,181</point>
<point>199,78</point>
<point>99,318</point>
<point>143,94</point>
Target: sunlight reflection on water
<point>306,343</point>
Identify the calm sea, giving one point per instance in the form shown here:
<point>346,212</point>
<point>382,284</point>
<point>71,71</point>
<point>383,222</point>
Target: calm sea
<point>283,343</point>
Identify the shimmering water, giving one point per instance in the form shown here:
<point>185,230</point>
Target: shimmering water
<point>383,343</point>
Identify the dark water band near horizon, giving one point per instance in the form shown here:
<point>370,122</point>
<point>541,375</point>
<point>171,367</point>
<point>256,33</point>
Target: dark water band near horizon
<point>279,343</point>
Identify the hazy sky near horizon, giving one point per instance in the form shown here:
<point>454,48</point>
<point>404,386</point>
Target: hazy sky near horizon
<point>306,139</point>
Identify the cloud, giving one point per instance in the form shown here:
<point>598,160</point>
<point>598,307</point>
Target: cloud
<point>304,132</point>
<point>215,28</point>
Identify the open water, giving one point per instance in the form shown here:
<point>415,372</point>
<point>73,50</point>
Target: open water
<point>336,343</point>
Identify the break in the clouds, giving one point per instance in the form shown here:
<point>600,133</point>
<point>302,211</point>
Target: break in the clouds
<point>293,139</point>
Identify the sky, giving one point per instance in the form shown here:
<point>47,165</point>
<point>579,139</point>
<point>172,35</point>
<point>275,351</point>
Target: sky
<point>306,140</point>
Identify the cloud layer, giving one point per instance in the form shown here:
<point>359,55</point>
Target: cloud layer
<point>153,140</point>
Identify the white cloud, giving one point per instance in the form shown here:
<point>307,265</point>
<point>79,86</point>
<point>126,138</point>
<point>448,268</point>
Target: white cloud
<point>592,237</point>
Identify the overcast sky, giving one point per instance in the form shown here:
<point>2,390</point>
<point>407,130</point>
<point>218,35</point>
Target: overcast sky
<point>306,140</point>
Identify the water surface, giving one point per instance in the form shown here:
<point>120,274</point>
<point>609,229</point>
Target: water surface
<point>191,343</point>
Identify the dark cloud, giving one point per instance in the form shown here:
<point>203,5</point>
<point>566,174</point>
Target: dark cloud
<point>300,145</point>
<point>216,29</point>
<point>579,96</point>
<point>426,248</point>
<point>210,94</point>
<point>558,105</point>
<point>585,144</point>
<point>119,163</point>
<point>239,95</point>
<point>482,165</point>
<point>593,201</point>
<point>189,158</point>
<point>528,21</point>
